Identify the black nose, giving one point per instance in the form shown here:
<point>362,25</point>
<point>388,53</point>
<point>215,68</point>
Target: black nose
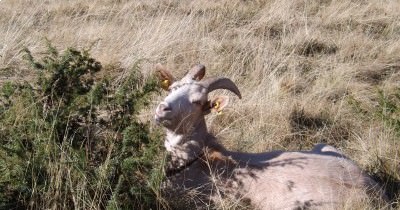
<point>164,107</point>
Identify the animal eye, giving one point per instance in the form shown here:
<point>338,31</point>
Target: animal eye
<point>196,102</point>
<point>170,89</point>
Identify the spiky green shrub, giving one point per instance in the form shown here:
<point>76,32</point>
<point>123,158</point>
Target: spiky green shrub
<point>72,140</point>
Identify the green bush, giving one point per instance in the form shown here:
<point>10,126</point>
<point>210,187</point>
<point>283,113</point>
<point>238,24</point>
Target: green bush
<point>69,139</point>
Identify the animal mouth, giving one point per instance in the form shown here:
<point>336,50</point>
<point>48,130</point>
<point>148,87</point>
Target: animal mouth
<point>162,120</point>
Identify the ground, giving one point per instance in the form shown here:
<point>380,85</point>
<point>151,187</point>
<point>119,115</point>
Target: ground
<point>309,71</point>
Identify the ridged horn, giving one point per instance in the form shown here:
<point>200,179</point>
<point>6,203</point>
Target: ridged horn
<point>221,83</point>
<point>196,73</point>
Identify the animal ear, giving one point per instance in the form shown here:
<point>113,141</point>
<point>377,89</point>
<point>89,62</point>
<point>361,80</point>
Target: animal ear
<point>217,104</point>
<point>165,77</point>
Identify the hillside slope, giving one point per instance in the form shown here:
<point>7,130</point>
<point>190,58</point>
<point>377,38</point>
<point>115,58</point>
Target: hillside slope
<point>309,71</point>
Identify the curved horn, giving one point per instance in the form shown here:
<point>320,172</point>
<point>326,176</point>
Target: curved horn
<point>196,73</point>
<point>221,83</point>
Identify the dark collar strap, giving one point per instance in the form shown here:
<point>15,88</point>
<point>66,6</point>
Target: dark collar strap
<point>173,171</point>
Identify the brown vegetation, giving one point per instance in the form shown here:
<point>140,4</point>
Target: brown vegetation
<point>309,71</point>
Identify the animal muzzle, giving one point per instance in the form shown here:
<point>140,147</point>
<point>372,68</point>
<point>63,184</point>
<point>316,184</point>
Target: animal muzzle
<point>163,112</point>
<point>162,109</point>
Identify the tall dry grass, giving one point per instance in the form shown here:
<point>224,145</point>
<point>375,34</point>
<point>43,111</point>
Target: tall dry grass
<point>309,71</point>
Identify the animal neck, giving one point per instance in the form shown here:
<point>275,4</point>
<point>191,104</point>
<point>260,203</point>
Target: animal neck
<point>189,145</point>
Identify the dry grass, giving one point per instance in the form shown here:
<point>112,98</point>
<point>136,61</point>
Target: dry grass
<point>299,64</point>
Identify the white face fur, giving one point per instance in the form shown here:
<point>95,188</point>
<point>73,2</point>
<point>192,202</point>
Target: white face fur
<point>183,106</point>
<point>186,103</point>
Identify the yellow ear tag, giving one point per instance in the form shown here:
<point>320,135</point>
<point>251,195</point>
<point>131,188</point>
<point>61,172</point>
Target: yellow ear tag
<point>165,84</point>
<point>216,106</point>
